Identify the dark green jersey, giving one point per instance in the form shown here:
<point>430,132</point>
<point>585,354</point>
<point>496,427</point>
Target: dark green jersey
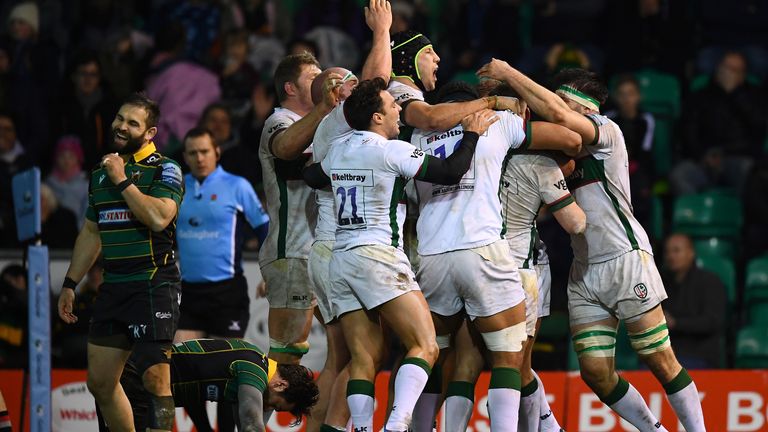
<point>133,252</point>
<point>212,369</point>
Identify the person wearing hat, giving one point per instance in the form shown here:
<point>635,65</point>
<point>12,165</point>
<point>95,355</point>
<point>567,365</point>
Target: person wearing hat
<point>68,181</point>
<point>414,72</point>
<point>24,21</point>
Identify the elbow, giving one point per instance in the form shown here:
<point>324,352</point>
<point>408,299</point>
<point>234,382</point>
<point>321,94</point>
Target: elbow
<point>578,226</point>
<point>572,144</point>
<point>159,224</point>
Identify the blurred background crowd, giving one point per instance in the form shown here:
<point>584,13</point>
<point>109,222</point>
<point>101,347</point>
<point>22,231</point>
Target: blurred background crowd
<point>687,82</point>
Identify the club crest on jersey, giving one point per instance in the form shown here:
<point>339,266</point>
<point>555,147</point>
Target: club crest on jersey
<point>101,179</point>
<point>136,176</point>
<point>641,291</point>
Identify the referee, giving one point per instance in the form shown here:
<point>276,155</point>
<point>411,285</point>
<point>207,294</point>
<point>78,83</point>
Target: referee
<point>133,201</point>
<point>210,234</point>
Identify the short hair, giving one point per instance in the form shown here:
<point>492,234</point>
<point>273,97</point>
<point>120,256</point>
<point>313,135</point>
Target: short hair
<point>289,69</point>
<point>684,236</point>
<point>13,270</point>
<point>302,391</point>
<point>584,81</point>
<point>364,101</point>
<point>212,107</point>
<point>141,100</point>
<point>197,132</point>
<point>85,57</point>
<point>457,91</point>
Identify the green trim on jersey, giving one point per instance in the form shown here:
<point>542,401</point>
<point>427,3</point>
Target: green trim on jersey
<point>131,251</point>
<point>397,194</point>
<point>528,137</point>
<point>592,171</point>
<point>564,201</point>
<point>597,132</point>
<point>503,171</point>
<point>282,227</point>
<point>531,248</point>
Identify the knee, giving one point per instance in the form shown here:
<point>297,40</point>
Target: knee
<point>431,351</point>
<point>99,387</point>
<point>156,380</point>
<point>599,378</point>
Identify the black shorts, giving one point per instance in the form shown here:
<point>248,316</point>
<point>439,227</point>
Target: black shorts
<point>217,308</point>
<point>143,311</point>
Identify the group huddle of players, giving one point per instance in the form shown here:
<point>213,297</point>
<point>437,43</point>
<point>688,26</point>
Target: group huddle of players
<point>344,160</point>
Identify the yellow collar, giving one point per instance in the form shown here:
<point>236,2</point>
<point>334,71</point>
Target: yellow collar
<point>144,152</point>
<point>271,369</point>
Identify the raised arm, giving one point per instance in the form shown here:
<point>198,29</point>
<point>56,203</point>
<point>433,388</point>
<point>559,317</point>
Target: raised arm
<point>291,142</point>
<point>422,115</point>
<point>378,16</point>
<point>451,169</point>
<point>541,101</point>
<point>550,136</point>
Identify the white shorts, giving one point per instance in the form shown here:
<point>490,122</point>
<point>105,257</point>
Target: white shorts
<point>531,287</point>
<point>624,288</point>
<point>288,285</point>
<point>545,288</point>
<point>318,266</point>
<point>369,276</point>
<point>482,280</point>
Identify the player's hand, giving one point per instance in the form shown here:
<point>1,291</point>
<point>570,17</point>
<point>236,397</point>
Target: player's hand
<point>378,15</point>
<point>486,86</point>
<point>517,106</point>
<point>479,122</point>
<point>331,87</point>
<point>495,69</point>
<point>114,165</point>
<point>66,302</point>
<point>568,167</point>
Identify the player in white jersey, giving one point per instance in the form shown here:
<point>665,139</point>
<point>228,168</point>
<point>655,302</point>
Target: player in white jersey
<point>465,262</point>
<point>414,71</point>
<point>370,273</point>
<point>613,276</point>
<point>283,150</point>
<point>331,412</point>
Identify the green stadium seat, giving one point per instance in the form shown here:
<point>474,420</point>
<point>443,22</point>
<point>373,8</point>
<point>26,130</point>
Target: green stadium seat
<point>756,291</point>
<point>715,246</point>
<point>752,347</point>
<point>657,218</point>
<point>714,214</point>
<point>723,268</point>
<point>660,93</point>
<point>662,146</point>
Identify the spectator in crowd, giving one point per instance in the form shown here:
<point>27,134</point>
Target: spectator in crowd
<point>35,77</point>
<point>68,181</point>
<point>235,157</point>
<point>237,76</point>
<point>637,127</point>
<point>88,108</point>
<point>120,60</point>
<point>70,342</point>
<point>13,159</point>
<point>756,209</point>
<point>263,101</point>
<point>300,45</point>
<point>724,128</point>
<point>5,75</point>
<point>201,20</point>
<point>58,225</point>
<point>13,317</point>
<point>181,88</point>
<point>696,307</point>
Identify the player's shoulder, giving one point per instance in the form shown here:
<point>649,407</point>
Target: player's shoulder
<point>402,92</point>
<point>280,118</point>
<point>600,119</point>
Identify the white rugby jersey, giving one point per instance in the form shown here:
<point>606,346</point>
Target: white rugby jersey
<point>332,128</point>
<point>292,213</point>
<point>468,214</point>
<point>368,174</point>
<point>530,181</point>
<point>600,185</point>
<point>402,92</point>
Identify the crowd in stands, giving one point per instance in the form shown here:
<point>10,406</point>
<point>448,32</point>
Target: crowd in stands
<point>687,80</point>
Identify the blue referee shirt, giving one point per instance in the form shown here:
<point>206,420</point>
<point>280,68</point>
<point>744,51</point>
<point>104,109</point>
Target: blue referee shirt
<point>209,228</point>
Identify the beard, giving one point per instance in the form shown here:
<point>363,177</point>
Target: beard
<point>131,146</point>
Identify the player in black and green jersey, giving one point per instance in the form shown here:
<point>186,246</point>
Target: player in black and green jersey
<point>230,370</point>
<point>134,196</point>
